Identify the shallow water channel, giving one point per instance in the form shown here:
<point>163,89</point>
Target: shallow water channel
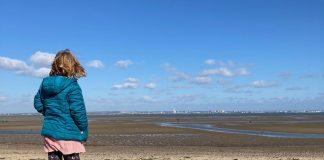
<point>208,127</point>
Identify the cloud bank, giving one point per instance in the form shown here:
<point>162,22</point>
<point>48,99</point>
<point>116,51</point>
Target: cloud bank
<point>39,66</point>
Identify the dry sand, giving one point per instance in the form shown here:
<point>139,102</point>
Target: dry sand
<point>33,152</point>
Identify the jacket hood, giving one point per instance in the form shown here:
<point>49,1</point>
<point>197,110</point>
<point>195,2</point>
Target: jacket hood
<point>53,85</point>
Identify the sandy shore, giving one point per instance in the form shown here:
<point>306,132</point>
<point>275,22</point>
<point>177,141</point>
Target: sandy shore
<point>34,152</point>
<point>137,137</point>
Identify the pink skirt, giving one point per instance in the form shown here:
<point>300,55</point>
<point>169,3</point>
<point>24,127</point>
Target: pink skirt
<point>66,147</point>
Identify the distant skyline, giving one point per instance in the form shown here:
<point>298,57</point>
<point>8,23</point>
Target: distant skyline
<point>158,55</point>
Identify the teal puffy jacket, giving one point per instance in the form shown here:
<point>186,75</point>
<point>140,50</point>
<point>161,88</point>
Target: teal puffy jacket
<point>61,102</point>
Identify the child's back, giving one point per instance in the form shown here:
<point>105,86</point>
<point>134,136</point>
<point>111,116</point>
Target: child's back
<point>60,100</point>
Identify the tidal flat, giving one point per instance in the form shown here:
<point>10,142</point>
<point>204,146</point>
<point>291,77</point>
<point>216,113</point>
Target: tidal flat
<point>137,136</point>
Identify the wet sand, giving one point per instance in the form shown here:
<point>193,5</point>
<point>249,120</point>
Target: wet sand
<point>135,137</point>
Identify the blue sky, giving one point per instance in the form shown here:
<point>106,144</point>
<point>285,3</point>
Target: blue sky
<point>160,55</point>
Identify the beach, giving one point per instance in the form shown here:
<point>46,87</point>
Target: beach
<point>33,152</point>
<point>140,137</point>
<point>162,79</point>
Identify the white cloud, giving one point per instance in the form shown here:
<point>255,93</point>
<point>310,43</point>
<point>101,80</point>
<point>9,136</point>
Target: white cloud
<point>242,72</point>
<point>220,63</point>
<point>42,59</point>
<point>3,98</point>
<point>150,85</point>
<point>21,67</point>
<point>95,64</point>
<point>125,85</point>
<point>219,71</point>
<point>147,98</point>
<point>263,84</point>
<point>12,64</point>
<point>130,83</point>
<point>246,88</point>
<point>225,68</point>
<point>132,80</point>
<point>202,80</point>
<point>175,74</point>
<point>123,63</point>
<point>179,76</point>
<point>224,71</point>
<point>210,62</point>
<point>236,88</point>
<point>41,72</point>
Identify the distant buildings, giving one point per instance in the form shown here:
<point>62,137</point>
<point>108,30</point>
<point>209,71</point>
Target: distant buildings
<point>174,111</point>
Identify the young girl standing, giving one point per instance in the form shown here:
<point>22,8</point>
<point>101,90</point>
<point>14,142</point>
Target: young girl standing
<point>60,100</point>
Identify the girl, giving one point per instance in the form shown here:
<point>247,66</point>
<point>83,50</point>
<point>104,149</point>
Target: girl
<point>60,100</point>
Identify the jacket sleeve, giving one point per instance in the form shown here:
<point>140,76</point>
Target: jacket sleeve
<point>77,107</point>
<point>38,105</point>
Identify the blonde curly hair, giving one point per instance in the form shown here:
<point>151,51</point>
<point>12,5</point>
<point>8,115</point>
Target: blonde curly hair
<point>66,64</point>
